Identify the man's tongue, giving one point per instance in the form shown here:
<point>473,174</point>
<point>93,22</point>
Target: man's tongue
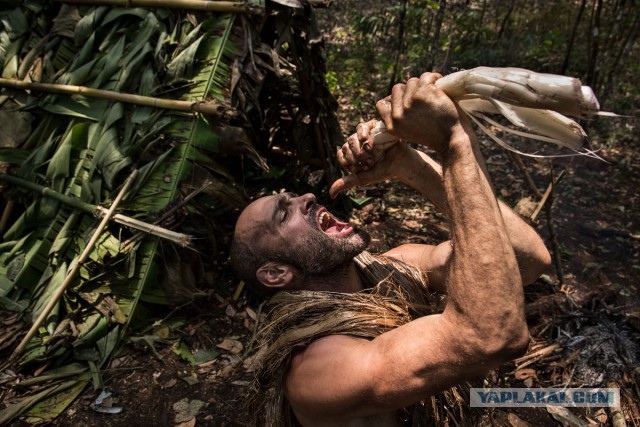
<point>335,227</point>
<point>330,225</point>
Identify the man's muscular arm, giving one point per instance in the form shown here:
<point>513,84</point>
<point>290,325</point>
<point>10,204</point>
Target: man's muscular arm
<point>420,172</point>
<point>339,378</point>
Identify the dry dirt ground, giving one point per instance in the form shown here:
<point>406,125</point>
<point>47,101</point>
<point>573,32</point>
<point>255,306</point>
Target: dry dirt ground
<point>587,329</point>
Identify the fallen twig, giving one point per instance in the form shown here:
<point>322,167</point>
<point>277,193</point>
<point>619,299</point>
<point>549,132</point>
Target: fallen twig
<point>538,354</point>
<point>546,195</point>
<point>543,202</point>
<point>617,416</point>
<point>557,258</point>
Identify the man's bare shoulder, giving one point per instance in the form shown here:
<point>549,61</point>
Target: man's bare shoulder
<point>316,373</point>
<point>320,355</point>
<point>329,343</point>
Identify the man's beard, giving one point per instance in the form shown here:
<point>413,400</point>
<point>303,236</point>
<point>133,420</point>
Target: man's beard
<point>322,253</point>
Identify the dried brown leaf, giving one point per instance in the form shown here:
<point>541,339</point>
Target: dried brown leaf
<point>233,346</point>
<point>230,311</point>
<point>523,374</point>
<point>190,423</point>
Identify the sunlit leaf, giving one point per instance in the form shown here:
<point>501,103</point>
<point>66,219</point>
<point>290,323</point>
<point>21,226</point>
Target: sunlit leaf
<point>183,351</point>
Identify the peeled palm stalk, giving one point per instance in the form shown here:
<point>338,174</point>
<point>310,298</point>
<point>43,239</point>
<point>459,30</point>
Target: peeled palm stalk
<point>535,102</point>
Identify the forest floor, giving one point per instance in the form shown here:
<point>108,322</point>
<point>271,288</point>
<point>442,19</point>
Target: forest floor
<point>585,331</point>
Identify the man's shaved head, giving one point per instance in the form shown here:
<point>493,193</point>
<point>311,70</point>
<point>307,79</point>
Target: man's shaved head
<point>295,230</point>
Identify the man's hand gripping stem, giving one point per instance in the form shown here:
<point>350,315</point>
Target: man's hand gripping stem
<point>417,111</point>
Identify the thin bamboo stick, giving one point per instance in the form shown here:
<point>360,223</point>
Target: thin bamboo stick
<point>179,238</point>
<point>48,192</point>
<point>205,5</point>
<point>168,214</point>
<point>212,108</point>
<point>548,210</point>
<point>76,268</point>
<point>183,240</point>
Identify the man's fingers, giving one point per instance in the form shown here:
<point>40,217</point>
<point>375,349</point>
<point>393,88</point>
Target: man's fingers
<point>384,109</point>
<point>354,180</point>
<point>362,131</point>
<point>430,78</point>
<point>354,145</point>
<point>337,187</point>
<point>409,90</point>
<point>343,184</point>
<point>342,160</point>
<point>348,155</point>
<point>397,107</point>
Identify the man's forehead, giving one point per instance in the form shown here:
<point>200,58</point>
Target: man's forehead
<point>261,208</point>
<point>257,213</point>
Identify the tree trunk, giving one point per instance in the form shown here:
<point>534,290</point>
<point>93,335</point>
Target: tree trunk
<point>505,20</point>
<point>436,32</point>
<point>630,38</point>
<point>565,64</point>
<point>594,46</point>
<point>399,46</point>
<point>476,37</point>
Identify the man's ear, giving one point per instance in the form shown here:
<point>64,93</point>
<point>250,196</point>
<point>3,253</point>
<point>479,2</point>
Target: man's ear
<point>279,275</point>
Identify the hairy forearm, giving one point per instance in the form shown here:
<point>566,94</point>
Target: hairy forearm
<point>483,280</point>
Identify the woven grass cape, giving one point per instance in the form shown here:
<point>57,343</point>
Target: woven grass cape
<point>398,294</point>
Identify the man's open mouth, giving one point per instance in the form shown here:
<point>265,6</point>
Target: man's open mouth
<point>330,225</point>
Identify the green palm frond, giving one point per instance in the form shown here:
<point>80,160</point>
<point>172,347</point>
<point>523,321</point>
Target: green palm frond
<point>86,160</point>
<point>191,134</point>
<point>82,148</point>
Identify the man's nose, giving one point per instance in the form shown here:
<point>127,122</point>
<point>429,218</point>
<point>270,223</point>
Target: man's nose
<point>306,201</point>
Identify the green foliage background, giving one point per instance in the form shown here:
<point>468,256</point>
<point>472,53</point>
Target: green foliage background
<point>594,40</point>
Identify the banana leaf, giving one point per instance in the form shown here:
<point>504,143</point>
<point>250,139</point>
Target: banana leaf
<point>84,148</point>
<point>85,157</point>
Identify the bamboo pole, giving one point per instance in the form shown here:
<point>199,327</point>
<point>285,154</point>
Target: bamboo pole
<point>48,192</point>
<point>168,214</point>
<point>204,5</point>
<point>179,238</point>
<point>76,268</point>
<point>212,108</point>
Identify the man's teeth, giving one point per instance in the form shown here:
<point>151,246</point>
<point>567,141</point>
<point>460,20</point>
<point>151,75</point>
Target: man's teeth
<point>325,218</point>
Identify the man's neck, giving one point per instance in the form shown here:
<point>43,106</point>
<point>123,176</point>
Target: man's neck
<point>344,278</point>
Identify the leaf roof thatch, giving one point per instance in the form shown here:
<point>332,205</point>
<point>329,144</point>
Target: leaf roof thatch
<point>263,74</point>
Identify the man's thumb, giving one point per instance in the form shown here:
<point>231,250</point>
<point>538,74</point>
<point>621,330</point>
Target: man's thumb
<point>343,184</point>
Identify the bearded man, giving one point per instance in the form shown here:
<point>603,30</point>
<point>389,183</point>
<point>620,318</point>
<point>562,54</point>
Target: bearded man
<point>339,365</point>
